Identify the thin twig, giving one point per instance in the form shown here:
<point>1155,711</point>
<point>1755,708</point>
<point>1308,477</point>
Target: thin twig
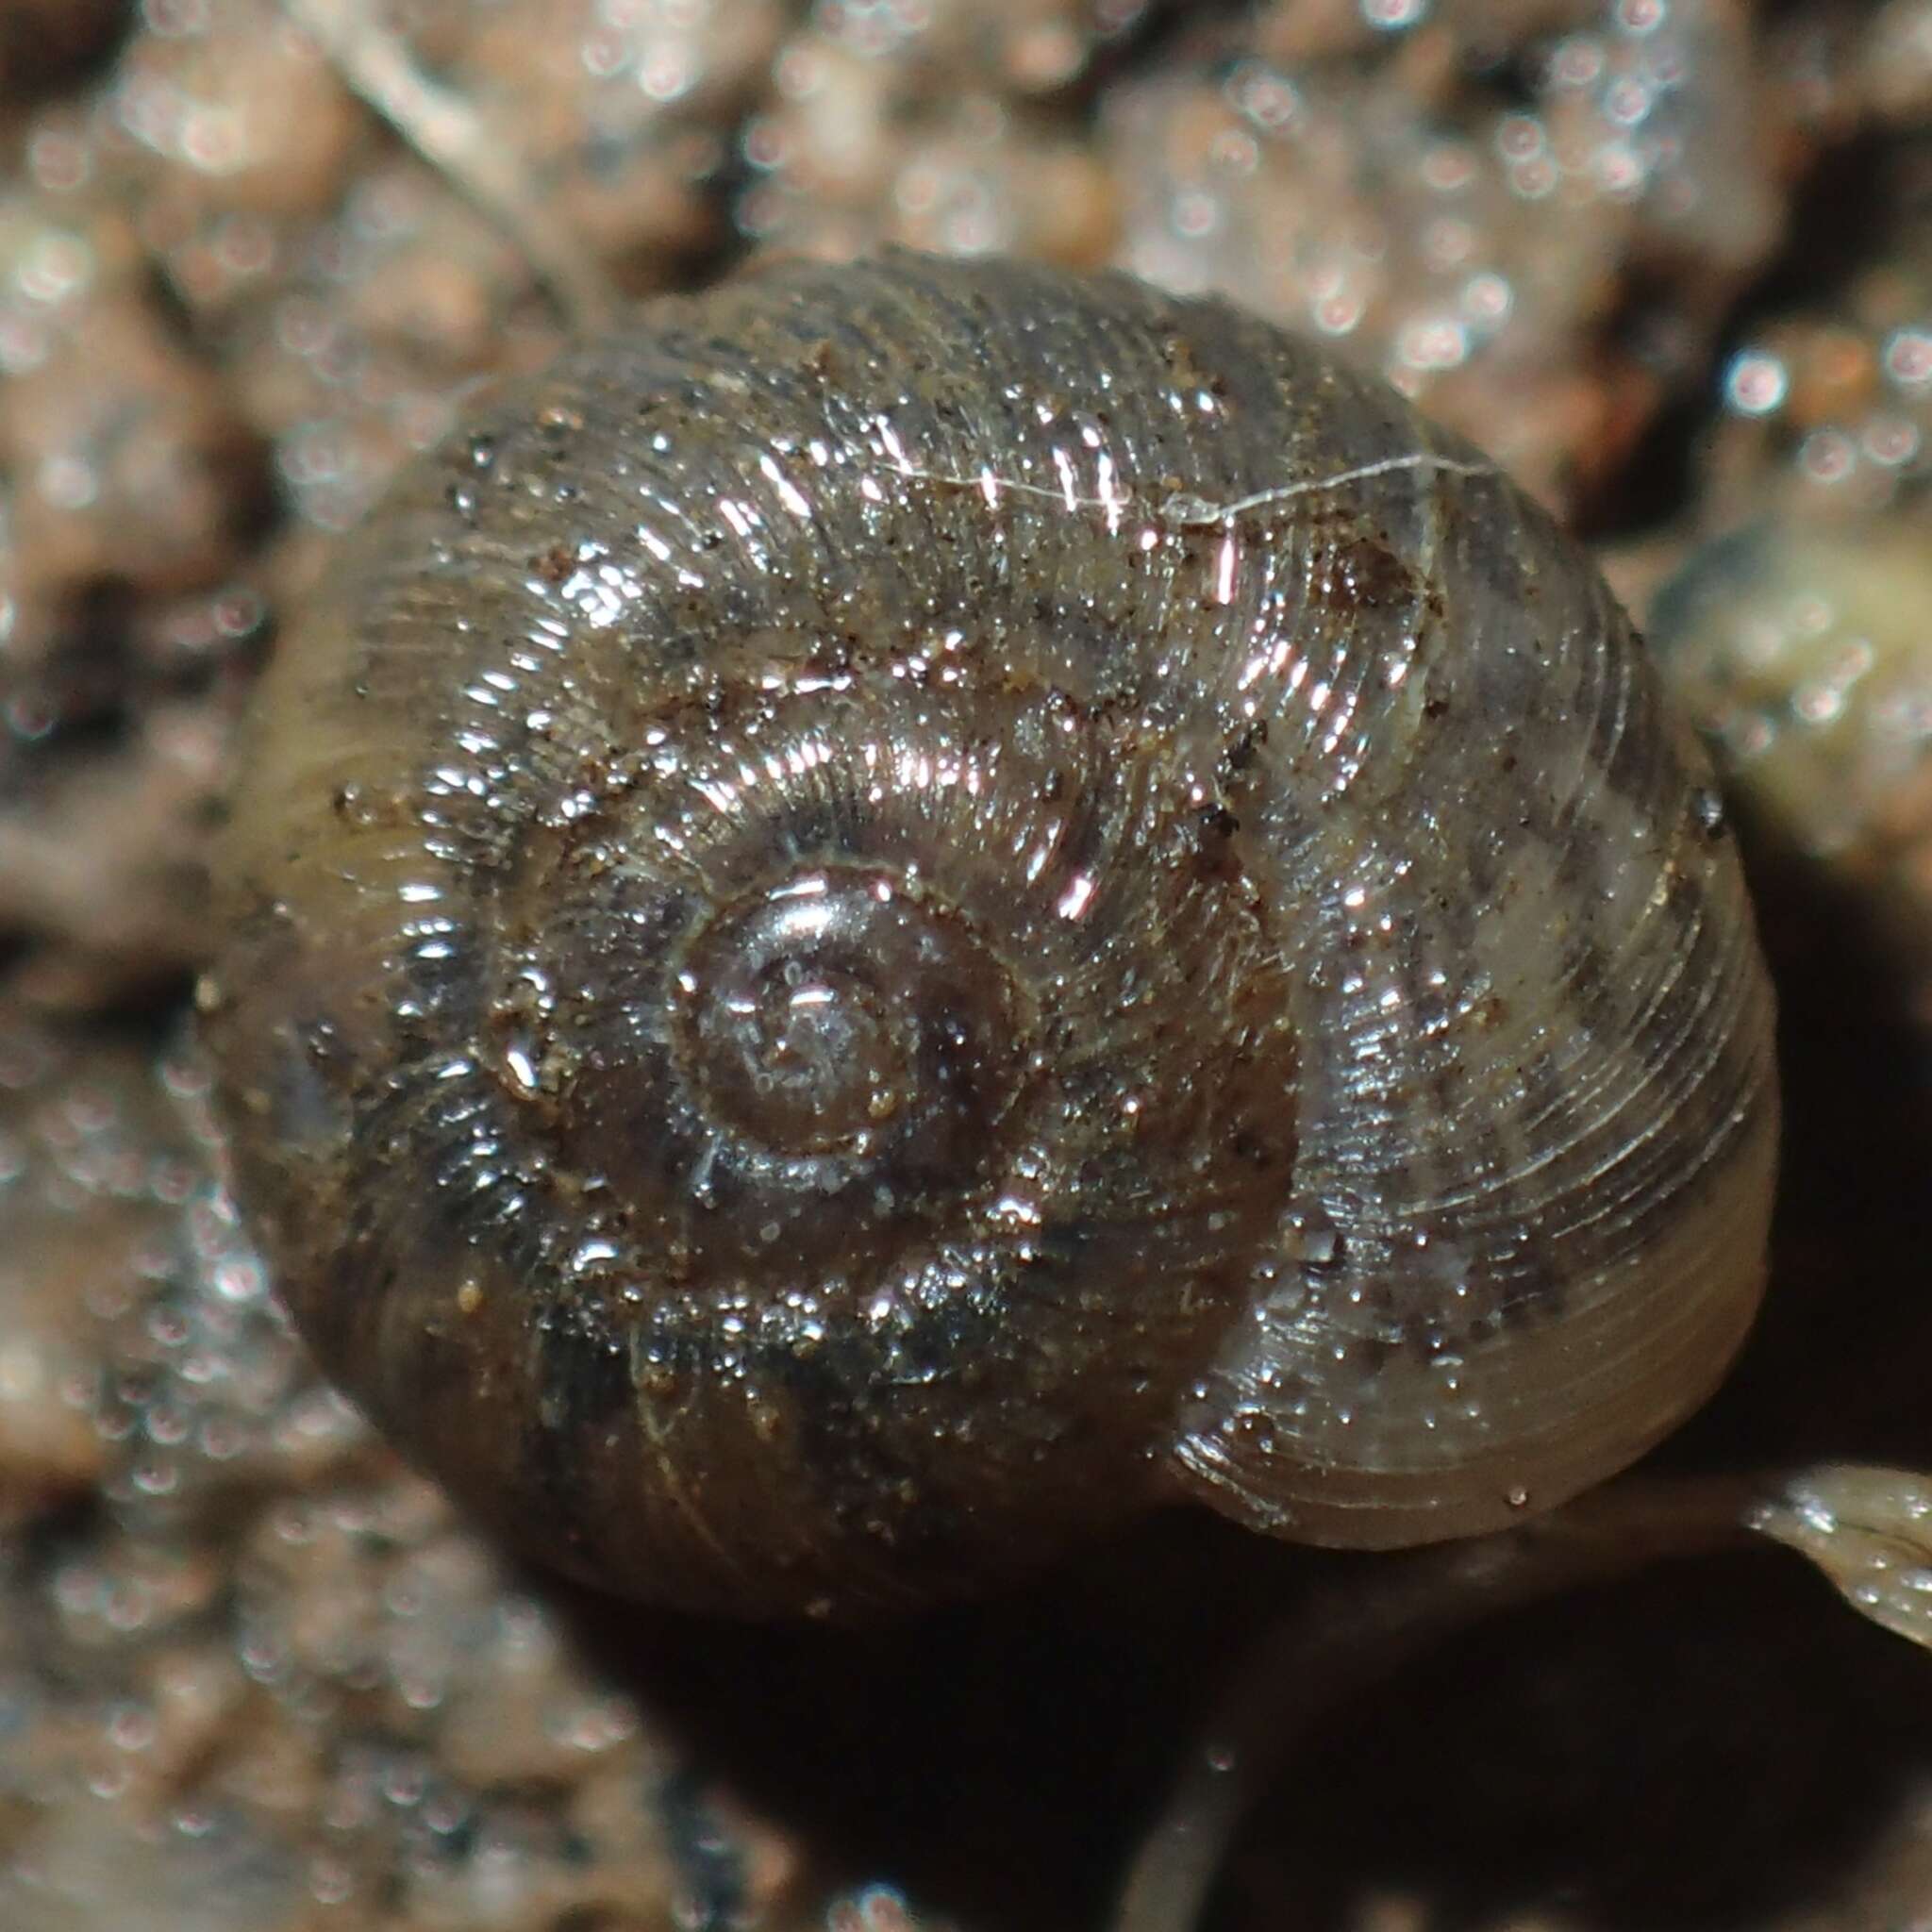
<point>1354,1634</point>
<point>447,131</point>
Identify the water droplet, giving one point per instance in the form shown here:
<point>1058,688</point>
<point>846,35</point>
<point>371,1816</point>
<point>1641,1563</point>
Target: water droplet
<point>1707,811</point>
<point>1314,1241</point>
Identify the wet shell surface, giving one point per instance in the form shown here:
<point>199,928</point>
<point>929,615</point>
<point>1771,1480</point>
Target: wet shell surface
<point>915,906</point>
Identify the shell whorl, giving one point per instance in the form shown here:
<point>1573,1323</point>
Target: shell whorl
<point>913,906</point>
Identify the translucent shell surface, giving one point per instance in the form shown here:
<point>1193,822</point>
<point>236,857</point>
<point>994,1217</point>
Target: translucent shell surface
<point>915,906</point>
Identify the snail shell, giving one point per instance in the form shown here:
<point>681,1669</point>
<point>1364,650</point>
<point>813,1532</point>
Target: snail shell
<point>914,906</point>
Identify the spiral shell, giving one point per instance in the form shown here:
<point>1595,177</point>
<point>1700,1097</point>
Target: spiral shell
<point>915,906</point>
